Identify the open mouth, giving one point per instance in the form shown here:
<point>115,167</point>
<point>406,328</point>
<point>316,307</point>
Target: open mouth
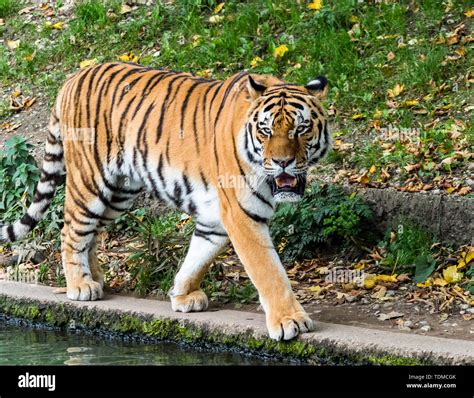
<point>286,183</point>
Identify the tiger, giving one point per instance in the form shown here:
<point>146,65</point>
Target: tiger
<point>225,152</point>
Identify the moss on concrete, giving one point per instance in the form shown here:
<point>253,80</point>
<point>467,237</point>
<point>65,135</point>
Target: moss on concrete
<point>65,316</point>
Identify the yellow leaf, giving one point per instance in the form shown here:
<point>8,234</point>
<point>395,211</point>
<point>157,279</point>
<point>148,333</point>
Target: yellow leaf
<point>359,266</point>
<point>255,61</point>
<point>387,278</point>
<point>315,289</point>
<point>219,8</point>
<point>280,51</point>
<point>411,103</point>
<point>373,169</point>
<point>125,9</point>
<point>29,57</point>
<point>58,26</point>
<point>439,282</point>
<point>466,259</point>
<point>451,274</point>
<point>425,284</point>
<point>358,116</point>
<point>128,57</point>
<point>354,19</point>
<point>216,18</point>
<point>12,44</point>
<point>87,62</point>
<point>369,281</point>
<point>450,189</point>
<point>315,5</point>
<point>396,91</point>
<point>206,73</point>
<point>469,13</point>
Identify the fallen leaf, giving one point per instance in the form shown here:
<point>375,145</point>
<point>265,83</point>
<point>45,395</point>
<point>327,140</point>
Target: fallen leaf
<point>255,62</point>
<point>315,289</point>
<point>125,9</point>
<point>280,51</point>
<point>403,278</point>
<point>12,44</point>
<point>395,91</point>
<point>452,275</point>
<point>387,278</point>
<point>364,179</point>
<point>372,169</point>
<point>466,258</point>
<point>206,73</point>
<point>87,62</point>
<point>426,283</point>
<point>128,57</point>
<point>369,281</point>
<point>380,293</point>
<point>411,102</point>
<point>216,18</point>
<point>390,56</point>
<point>357,116</point>
<point>469,13</point>
<point>390,315</point>
<point>464,191</point>
<point>219,8</point>
<point>58,26</point>
<point>315,5</point>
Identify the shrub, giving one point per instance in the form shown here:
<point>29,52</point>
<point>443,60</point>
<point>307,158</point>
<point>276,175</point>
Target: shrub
<point>325,215</point>
<point>409,250</point>
<point>18,177</point>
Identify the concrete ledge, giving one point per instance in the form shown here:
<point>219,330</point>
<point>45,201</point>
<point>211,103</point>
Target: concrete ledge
<point>329,344</point>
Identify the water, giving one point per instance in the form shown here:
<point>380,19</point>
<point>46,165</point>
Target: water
<point>32,346</point>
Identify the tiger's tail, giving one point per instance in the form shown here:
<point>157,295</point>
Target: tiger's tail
<point>52,175</point>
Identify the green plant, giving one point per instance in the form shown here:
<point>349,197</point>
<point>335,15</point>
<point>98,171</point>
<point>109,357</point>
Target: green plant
<point>18,177</point>
<point>163,243</point>
<point>326,214</point>
<point>8,7</point>
<point>409,250</point>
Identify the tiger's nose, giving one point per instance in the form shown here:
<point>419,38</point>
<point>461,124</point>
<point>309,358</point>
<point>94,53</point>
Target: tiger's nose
<point>283,162</point>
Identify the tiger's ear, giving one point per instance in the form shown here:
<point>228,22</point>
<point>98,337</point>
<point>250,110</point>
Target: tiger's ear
<point>255,88</point>
<point>318,87</point>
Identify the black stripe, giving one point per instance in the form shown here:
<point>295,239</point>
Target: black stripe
<point>197,234</point>
<point>210,232</point>
<point>11,233</point>
<point>40,196</point>
<point>187,185</point>
<point>164,106</point>
<point>51,157</point>
<point>83,233</point>
<point>204,181</point>
<point>253,216</point>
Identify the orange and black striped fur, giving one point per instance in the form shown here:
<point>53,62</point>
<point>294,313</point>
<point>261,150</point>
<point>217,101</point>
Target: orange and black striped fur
<point>223,151</point>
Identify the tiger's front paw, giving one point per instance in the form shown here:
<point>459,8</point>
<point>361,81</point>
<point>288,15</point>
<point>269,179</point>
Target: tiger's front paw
<point>194,301</point>
<point>85,291</point>
<point>289,326</point>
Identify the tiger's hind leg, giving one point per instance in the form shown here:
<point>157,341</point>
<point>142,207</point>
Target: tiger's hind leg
<point>120,202</point>
<point>83,208</point>
<point>206,244</point>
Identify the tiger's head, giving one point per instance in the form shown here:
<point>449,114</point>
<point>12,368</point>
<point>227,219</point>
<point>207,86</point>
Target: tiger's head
<point>286,133</point>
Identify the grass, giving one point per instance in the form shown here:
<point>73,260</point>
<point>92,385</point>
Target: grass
<point>8,7</point>
<point>364,49</point>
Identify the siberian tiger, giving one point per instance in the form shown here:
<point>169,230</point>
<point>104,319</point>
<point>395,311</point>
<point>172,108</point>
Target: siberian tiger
<point>223,151</point>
